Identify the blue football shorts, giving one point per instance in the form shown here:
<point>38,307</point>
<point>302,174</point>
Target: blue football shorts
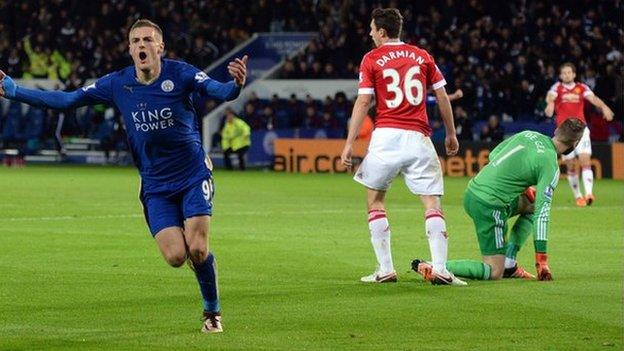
<point>170,210</point>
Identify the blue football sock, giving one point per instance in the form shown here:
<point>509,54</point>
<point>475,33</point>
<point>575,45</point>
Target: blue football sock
<point>206,274</point>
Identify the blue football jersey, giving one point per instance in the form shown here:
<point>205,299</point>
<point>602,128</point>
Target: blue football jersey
<point>161,124</point>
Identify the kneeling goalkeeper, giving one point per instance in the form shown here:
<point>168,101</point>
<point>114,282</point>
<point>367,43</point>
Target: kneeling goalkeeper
<point>495,194</point>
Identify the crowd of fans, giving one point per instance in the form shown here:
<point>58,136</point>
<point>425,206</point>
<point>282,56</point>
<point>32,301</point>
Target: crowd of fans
<point>51,38</point>
<point>332,113</point>
<point>503,54</point>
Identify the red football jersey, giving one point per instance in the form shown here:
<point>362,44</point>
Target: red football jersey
<point>399,75</point>
<point>569,100</point>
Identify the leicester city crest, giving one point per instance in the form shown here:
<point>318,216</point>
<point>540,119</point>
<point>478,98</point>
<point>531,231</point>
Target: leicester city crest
<point>167,86</point>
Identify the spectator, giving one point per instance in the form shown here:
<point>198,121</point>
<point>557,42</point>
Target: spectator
<point>295,112</point>
<point>310,117</point>
<point>255,120</point>
<point>326,121</point>
<point>341,109</point>
<point>463,125</point>
<point>503,54</point>
<point>438,133</point>
<point>40,65</point>
<point>492,131</point>
<point>235,138</point>
<point>269,117</point>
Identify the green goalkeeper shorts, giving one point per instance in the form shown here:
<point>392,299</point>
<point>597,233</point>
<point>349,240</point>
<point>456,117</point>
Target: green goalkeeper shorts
<point>490,223</point>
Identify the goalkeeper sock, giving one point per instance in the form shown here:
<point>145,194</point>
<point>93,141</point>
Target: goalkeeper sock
<point>573,179</point>
<point>380,238</point>
<point>438,239</point>
<point>588,180</point>
<point>510,262</point>
<point>469,269</point>
<point>518,236</point>
<point>206,274</point>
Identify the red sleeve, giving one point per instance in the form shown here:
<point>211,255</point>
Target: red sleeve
<point>366,85</point>
<point>553,90</point>
<point>435,79</point>
<point>586,90</point>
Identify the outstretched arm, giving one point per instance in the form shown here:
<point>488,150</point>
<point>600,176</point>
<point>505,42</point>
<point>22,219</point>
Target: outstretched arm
<point>596,101</point>
<point>40,98</point>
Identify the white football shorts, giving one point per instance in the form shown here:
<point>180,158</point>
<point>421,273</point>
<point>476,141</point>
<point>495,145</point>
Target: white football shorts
<point>583,147</point>
<point>392,151</point>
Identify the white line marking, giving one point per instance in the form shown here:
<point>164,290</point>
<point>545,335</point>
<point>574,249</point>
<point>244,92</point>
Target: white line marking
<point>259,213</point>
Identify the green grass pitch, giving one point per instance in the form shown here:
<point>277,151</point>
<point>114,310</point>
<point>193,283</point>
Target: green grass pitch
<point>79,270</point>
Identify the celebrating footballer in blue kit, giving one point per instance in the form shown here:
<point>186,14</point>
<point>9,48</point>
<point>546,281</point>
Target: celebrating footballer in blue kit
<point>154,97</point>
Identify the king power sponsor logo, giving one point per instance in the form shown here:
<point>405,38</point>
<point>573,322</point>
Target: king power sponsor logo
<point>149,120</point>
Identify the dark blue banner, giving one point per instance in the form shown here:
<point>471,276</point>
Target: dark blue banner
<point>265,51</point>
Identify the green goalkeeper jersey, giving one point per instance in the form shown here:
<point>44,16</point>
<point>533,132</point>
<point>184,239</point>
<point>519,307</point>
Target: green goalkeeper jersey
<point>523,160</point>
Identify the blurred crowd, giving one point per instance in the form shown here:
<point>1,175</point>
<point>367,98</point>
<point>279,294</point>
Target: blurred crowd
<point>332,112</point>
<point>503,54</point>
<point>53,38</point>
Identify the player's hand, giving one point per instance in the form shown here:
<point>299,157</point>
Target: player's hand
<point>549,110</point>
<point>345,157</point>
<point>541,264</point>
<point>608,114</point>
<point>7,86</point>
<point>530,194</point>
<point>238,70</point>
<point>451,144</point>
<point>458,94</point>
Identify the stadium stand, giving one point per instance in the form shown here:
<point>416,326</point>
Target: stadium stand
<point>504,61</point>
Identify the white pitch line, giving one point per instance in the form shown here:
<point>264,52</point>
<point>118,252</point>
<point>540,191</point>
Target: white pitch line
<point>256,213</point>
<point>64,218</point>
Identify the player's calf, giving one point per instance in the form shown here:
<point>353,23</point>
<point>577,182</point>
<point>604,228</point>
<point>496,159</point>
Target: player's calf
<point>497,266</point>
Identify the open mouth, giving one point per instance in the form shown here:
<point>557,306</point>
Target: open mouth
<point>142,56</point>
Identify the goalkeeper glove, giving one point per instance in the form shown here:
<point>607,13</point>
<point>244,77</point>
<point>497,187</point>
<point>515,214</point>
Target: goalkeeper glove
<point>530,194</point>
<point>541,263</point>
<point>7,86</point>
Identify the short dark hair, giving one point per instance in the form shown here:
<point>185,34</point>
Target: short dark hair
<point>145,23</point>
<point>389,19</point>
<point>570,131</point>
<point>568,64</point>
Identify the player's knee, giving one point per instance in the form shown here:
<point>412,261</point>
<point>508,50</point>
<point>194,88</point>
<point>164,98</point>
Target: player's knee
<point>175,259</point>
<point>198,252</point>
